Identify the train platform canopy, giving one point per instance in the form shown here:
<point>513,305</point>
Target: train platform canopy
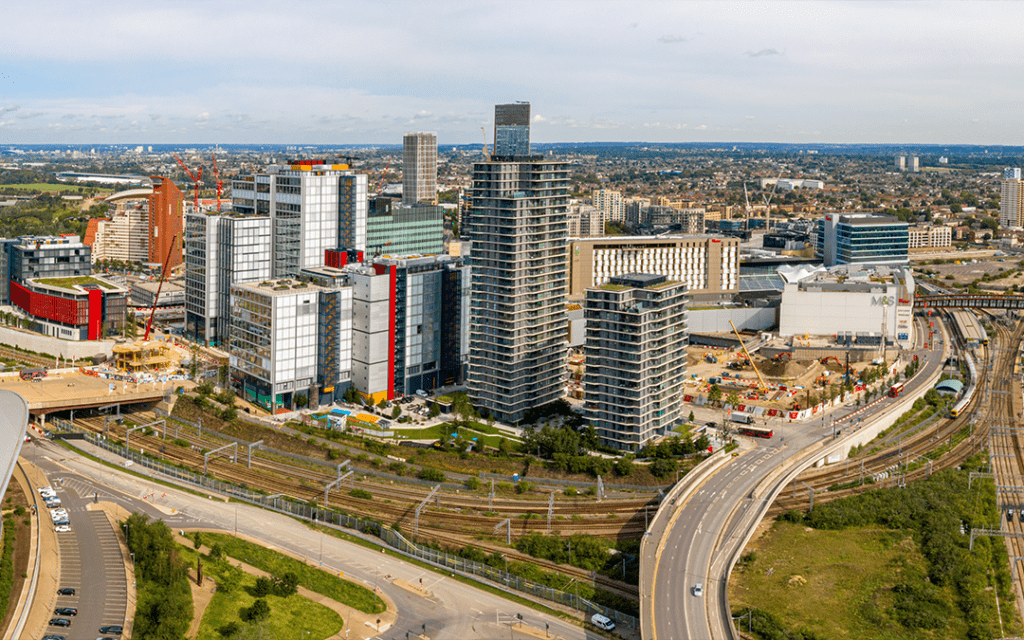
<point>951,387</point>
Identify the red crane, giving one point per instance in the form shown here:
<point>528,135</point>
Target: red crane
<point>167,262</point>
<point>220,183</point>
<point>383,176</point>
<point>196,179</point>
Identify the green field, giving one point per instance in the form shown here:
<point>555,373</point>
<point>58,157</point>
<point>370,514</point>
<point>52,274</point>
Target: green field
<point>39,187</point>
<point>288,617</point>
<point>860,583</point>
<point>321,582</point>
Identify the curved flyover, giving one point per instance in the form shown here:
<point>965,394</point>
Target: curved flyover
<point>703,528</point>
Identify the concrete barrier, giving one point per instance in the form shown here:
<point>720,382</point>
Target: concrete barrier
<point>55,346</point>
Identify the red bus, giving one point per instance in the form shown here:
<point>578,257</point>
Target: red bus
<point>33,374</point>
<point>756,432</point>
<point>895,390</point>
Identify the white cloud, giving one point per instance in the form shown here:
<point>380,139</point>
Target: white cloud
<point>669,39</point>
<point>760,53</point>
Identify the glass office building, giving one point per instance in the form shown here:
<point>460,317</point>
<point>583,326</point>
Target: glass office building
<point>862,239</point>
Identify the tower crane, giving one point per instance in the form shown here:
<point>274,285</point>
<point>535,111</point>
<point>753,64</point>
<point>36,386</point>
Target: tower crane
<point>487,156</point>
<point>220,183</point>
<point>383,176</point>
<point>196,179</point>
<point>764,387</point>
<point>156,300</point>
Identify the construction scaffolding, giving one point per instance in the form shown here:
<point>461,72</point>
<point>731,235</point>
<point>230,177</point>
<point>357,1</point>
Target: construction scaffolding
<point>143,357</point>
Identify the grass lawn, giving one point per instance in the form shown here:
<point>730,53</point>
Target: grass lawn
<point>289,617</point>
<point>837,584</point>
<point>69,283</point>
<point>52,188</point>
<point>321,582</point>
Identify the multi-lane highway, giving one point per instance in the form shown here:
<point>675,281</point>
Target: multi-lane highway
<point>712,523</point>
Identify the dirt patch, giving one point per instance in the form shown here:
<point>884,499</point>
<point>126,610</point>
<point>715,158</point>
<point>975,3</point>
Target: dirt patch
<point>201,597</point>
<point>797,581</point>
<point>784,369</point>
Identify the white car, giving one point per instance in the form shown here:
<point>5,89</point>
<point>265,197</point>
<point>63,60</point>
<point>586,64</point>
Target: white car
<point>698,590</point>
<point>602,622</point>
<point>63,528</point>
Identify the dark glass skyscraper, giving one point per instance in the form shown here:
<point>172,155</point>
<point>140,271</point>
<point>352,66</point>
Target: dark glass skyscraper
<point>511,130</point>
<point>518,227</point>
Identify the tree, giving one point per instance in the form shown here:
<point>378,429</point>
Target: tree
<point>301,399</point>
<point>222,375</point>
<point>715,394</point>
<point>397,411</point>
<point>287,585</point>
<point>435,410</point>
<point>264,587</point>
<point>258,612</point>
<point>691,416</point>
<point>733,398</point>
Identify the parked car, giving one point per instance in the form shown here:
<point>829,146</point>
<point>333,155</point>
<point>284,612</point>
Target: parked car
<point>113,628</point>
<point>602,622</point>
<point>65,591</point>
<point>65,611</point>
<point>60,622</point>
<point>62,528</point>
<point>54,636</point>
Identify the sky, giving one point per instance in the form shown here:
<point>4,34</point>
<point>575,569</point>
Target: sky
<point>351,72</point>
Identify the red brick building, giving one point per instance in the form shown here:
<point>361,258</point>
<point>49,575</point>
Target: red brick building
<point>165,221</point>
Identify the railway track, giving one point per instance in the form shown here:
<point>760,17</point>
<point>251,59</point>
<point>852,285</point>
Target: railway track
<point>915,450</point>
<point>1005,453</point>
<point>456,515</point>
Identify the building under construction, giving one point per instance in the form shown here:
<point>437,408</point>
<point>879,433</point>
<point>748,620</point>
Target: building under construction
<point>144,357</point>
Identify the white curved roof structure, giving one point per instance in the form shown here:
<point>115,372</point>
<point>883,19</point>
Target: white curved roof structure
<point>130,194</point>
<point>12,433</point>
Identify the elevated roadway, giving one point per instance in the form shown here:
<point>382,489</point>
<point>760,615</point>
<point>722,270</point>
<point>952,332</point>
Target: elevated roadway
<point>64,391</point>
<point>707,520</point>
<point>968,302</point>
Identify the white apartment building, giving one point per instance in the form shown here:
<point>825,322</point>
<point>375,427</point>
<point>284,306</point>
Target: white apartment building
<point>931,237</point>
<point>707,265</point>
<point>126,235</point>
<point>273,343</point>
<point>312,206</point>
<point>1011,200</point>
<point>585,220</point>
<point>610,203</point>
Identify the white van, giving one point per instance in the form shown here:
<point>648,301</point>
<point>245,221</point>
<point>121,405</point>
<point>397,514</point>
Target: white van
<point>602,622</point>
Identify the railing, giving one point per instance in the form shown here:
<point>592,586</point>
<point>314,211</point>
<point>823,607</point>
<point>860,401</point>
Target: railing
<point>389,536</point>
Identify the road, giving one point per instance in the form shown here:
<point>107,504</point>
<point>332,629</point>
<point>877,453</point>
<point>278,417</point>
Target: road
<point>455,611</point>
<point>708,527</point>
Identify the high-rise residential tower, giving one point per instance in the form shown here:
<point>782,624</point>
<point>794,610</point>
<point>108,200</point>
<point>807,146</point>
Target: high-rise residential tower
<point>636,358</point>
<point>518,227</point>
<point>419,168</point>
<point>512,130</point>
<point>165,221</point>
<point>1011,200</point>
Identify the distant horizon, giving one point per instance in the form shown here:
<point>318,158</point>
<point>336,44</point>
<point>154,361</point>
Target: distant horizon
<point>298,146</point>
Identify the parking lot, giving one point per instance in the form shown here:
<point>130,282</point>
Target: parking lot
<point>91,564</point>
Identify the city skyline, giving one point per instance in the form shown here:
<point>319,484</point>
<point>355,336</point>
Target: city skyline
<point>360,72</point>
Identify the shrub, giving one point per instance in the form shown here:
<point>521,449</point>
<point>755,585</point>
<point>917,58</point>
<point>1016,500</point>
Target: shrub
<point>259,611</point>
<point>362,494</point>
<point>264,587</point>
<point>431,475</point>
<point>472,483</point>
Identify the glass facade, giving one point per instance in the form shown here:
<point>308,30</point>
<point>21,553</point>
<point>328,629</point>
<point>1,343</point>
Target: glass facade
<point>862,239</point>
<point>518,226</point>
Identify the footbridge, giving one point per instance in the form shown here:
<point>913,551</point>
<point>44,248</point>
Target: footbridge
<point>969,302</point>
